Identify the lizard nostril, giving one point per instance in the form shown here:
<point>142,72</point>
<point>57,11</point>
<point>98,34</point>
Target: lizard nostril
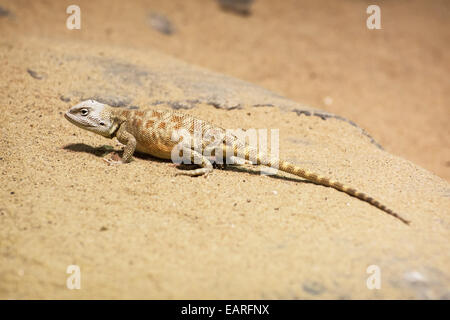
<point>102,123</point>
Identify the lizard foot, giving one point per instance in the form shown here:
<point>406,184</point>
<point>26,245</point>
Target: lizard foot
<point>221,166</point>
<point>114,160</point>
<point>195,173</point>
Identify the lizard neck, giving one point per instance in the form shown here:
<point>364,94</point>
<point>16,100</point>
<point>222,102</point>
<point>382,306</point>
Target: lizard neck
<point>114,128</point>
<point>118,117</point>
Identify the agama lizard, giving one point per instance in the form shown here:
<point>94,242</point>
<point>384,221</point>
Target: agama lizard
<point>153,131</point>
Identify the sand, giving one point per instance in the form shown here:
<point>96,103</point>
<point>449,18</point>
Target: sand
<point>137,231</point>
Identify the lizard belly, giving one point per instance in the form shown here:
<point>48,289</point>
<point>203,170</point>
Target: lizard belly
<point>156,151</point>
<point>156,144</point>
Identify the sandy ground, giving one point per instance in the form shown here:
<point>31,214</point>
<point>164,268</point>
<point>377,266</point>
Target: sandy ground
<point>137,231</point>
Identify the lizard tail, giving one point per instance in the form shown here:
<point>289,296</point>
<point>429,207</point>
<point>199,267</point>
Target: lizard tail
<point>318,179</point>
<point>261,159</point>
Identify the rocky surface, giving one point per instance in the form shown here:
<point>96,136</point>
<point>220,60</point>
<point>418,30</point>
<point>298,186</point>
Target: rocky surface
<point>137,231</point>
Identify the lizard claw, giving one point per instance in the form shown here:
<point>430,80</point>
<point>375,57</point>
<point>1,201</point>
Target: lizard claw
<point>114,160</point>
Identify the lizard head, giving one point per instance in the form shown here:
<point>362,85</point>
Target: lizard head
<point>93,116</point>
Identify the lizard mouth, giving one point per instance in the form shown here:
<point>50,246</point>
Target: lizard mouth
<point>73,121</point>
<point>67,117</point>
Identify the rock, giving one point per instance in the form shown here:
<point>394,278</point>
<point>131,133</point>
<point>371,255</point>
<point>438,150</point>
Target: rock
<point>35,75</point>
<point>227,236</point>
<point>161,23</point>
<point>64,98</point>
<point>242,7</point>
<point>4,12</point>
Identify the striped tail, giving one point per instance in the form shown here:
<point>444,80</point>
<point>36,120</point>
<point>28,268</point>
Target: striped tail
<point>251,154</point>
<point>295,170</point>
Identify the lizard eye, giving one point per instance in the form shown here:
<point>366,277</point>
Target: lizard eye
<point>84,112</point>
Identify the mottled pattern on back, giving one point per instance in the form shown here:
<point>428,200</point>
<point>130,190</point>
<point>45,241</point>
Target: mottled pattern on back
<point>153,130</point>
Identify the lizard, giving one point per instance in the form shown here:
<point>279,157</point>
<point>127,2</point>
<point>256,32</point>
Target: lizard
<point>154,131</point>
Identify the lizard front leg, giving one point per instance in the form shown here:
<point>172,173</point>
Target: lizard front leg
<point>129,141</point>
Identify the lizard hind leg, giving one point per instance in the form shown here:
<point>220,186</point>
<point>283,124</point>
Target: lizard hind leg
<point>198,159</point>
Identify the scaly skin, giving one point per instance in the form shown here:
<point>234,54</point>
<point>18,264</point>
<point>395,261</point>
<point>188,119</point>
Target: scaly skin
<point>152,131</point>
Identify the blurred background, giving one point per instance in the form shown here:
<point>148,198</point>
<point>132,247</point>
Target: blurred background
<point>393,82</point>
